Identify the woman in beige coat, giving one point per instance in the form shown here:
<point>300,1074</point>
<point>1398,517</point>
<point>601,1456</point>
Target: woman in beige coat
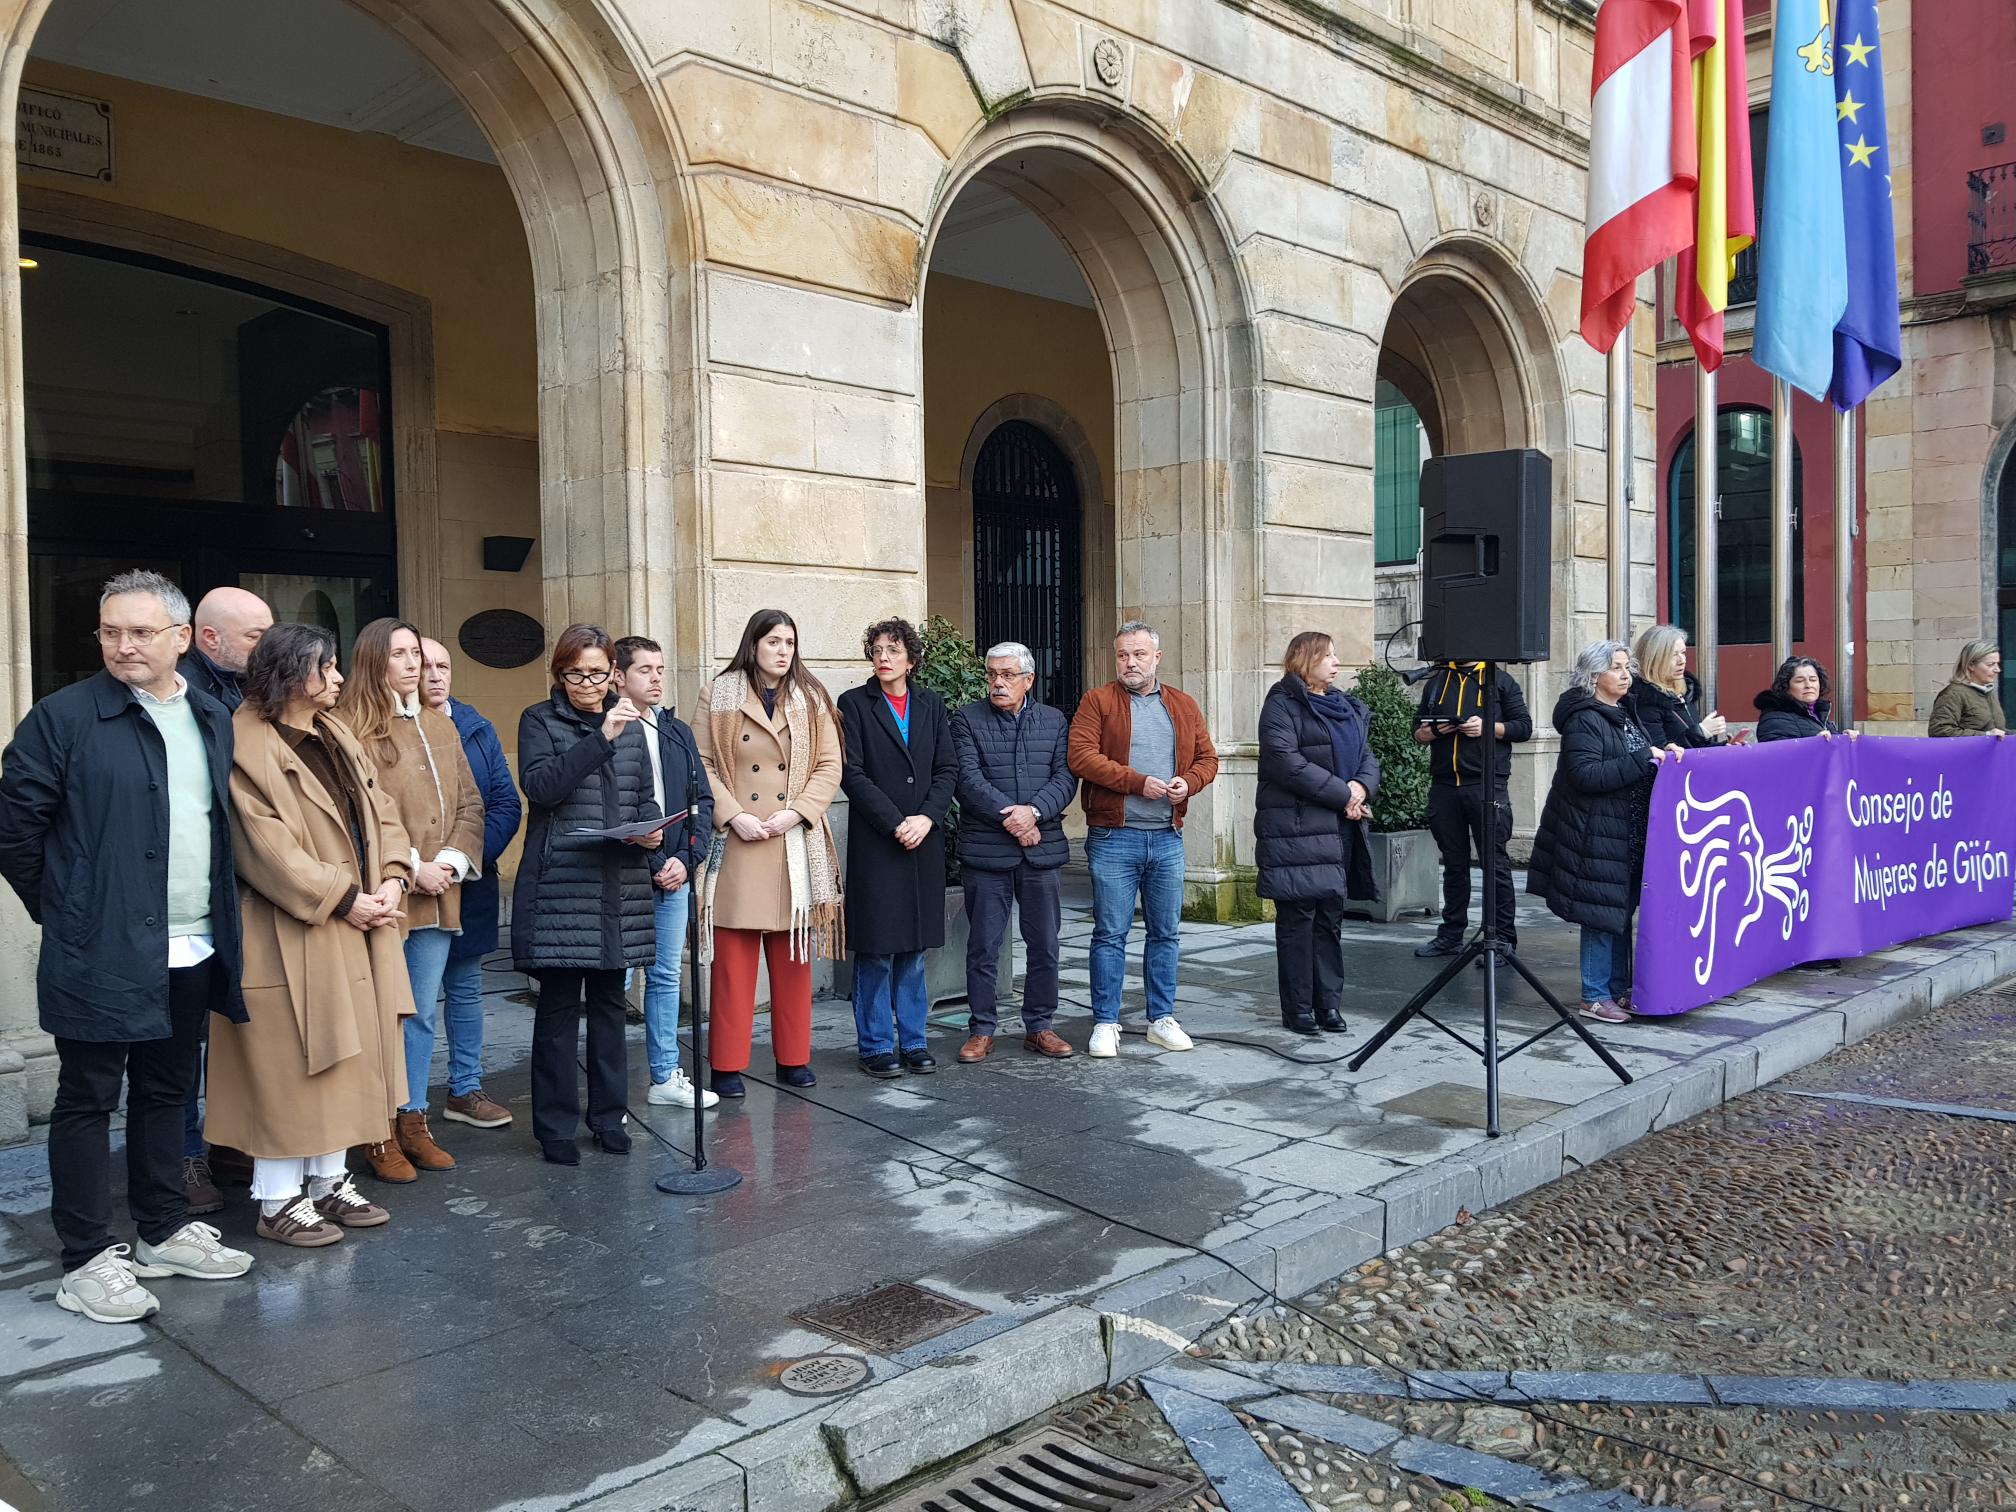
<point>421,768</point>
<point>769,738</point>
<point>317,1066</point>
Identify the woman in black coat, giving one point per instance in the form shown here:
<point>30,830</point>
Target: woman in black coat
<point>582,909</point>
<point>1317,778</point>
<point>1662,695</point>
<point>1795,706</point>
<point>1589,852</point>
<point>898,771</point>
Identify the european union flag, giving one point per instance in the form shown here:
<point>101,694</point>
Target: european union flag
<point>1868,345</point>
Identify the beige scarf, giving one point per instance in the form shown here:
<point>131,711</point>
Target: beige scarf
<point>811,862</point>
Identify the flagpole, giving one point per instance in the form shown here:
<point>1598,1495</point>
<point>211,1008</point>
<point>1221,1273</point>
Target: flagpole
<point>1781,522</point>
<point>1844,567</point>
<point>1707,534</point>
<point>1619,444</point>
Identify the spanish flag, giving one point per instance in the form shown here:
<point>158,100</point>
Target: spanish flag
<point>1725,213</point>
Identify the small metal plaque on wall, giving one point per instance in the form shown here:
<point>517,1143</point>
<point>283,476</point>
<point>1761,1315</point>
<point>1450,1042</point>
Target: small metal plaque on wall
<point>502,638</point>
<point>63,133</point>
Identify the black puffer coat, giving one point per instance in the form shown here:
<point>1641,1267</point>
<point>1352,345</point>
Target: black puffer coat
<point>1783,717</point>
<point>1665,717</point>
<point>1005,760</point>
<point>1304,846</point>
<point>581,904</point>
<point>1589,852</point>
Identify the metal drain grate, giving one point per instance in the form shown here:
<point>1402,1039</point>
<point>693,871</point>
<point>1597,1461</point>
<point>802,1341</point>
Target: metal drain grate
<point>1051,1472</point>
<point>889,1318</point>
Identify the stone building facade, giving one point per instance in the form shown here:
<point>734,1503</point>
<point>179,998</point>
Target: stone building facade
<point>789,265</point>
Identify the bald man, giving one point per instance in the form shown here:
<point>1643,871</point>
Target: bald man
<point>228,624</point>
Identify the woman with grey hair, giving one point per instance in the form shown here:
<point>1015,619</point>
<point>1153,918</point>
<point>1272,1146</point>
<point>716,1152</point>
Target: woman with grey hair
<point>1968,705</point>
<point>1589,851</point>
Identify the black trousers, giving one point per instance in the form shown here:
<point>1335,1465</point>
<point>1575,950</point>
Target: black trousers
<point>556,1033</point>
<point>160,1078</point>
<point>989,897</point>
<point>1456,820</point>
<point>1309,955</point>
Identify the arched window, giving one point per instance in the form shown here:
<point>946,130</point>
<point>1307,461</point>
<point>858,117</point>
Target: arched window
<point>1744,471</point>
<point>1400,445</point>
<point>1027,544</point>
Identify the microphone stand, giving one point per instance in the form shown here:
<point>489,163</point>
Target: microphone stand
<point>703,1180</point>
<point>1490,949</point>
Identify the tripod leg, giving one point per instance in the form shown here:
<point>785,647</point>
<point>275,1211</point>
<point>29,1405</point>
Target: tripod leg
<point>1415,1004</point>
<point>1490,958</point>
<point>700,992</point>
<point>1571,1020</point>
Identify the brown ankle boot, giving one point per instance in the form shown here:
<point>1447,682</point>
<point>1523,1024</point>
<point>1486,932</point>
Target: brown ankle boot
<point>387,1161</point>
<point>411,1132</point>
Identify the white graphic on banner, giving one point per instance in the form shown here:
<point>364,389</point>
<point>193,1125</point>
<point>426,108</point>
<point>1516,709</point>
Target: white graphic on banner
<point>1717,834</point>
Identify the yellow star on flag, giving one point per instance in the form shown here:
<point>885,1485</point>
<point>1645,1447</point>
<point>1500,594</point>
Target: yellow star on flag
<point>1860,153</point>
<point>1858,50</point>
<point>1849,109</point>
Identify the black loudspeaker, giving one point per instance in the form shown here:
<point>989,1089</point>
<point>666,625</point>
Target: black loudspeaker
<point>1485,557</point>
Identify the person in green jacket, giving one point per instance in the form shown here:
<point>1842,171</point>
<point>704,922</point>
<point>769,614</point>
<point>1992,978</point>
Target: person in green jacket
<point>1967,705</point>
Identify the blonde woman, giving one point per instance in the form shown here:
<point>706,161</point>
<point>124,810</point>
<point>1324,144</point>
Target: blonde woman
<point>1658,698</point>
<point>1968,705</point>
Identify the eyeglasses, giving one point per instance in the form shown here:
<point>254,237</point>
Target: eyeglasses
<point>140,635</point>
<point>1005,677</point>
<point>889,653</point>
<point>585,679</point>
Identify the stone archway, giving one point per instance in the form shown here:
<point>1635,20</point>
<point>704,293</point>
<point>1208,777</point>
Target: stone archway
<point>1183,511</point>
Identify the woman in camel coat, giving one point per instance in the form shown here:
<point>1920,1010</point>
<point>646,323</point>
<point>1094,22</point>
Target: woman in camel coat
<point>318,1065</point>
<point>769,809</point>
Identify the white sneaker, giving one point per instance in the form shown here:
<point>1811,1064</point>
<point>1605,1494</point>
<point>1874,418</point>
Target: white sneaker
<point>195,1250</point>
<point>1169,1034</point>
<point>678,1093</point>
<point>1105,1041</point>
<point>103,1289</point>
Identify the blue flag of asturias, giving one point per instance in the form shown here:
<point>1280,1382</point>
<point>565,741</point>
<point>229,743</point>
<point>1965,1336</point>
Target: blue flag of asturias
<point>1802,255</point>
<point>1868,346</point>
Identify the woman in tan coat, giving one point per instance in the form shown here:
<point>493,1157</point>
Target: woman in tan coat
<point>1969,705</point>
<point>769,738</point>
<point>421,768</point>
<point>317,1067</point>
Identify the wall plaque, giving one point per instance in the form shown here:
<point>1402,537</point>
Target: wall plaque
<point>502,638</point>
<point>63,133</point>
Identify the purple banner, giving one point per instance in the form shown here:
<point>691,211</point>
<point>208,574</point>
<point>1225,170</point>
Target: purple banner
<point>1761,857</point>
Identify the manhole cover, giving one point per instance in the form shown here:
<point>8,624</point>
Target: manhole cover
<point>1051,1472</point>
<point>823,1375</point>
<point>888,1318</point>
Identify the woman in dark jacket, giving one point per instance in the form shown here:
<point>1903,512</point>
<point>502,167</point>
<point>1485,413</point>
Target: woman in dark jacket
<point>1967,705</point>
<point>582,910</point>
<point>1662,695</point>
<point>1795,706</point>
<point>1589,851</point>
<point>898,770</point>
<point>1317,778</point>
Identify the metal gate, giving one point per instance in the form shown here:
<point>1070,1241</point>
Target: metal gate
<point>1027,584</point>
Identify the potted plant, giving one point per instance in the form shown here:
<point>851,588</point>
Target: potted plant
<point>1405,860</point>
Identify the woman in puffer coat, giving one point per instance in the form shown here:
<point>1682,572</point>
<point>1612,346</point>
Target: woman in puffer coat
<point>582,909</point>
<point>1968,705</point>
<point>1589,852</point>
<point>1795,706</point>
<point>1317,778</point>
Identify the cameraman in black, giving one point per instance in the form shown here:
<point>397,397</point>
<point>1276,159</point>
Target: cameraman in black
<point>1451,721</point>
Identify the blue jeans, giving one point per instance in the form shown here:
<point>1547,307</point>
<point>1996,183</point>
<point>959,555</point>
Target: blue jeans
<point>426,960</point>
<point>886,984</point>
<point>462,1018</point>
<point>1126,864</point>
<point>1606,965</point>
<point>661,985</point>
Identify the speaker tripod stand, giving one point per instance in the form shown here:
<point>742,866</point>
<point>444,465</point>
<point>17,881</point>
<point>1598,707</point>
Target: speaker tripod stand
<point>1493,952</point>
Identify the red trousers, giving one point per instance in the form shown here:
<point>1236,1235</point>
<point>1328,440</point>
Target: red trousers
<point>734,1003</point>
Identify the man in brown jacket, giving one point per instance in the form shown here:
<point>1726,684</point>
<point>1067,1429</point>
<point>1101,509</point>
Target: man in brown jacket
<point>1142,752</point>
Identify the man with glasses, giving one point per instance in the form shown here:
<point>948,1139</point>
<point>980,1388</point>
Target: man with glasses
<point>115,832</point>
<point>1014,784</point>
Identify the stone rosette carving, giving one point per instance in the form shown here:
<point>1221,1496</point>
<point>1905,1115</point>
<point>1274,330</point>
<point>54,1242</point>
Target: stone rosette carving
<point>1109,62</point>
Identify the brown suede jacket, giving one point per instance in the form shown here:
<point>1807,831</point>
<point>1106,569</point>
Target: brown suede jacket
<point>1102,735</point>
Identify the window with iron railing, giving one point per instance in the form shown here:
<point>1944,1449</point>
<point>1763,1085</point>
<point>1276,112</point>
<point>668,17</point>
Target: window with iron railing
<point>1991,218</point>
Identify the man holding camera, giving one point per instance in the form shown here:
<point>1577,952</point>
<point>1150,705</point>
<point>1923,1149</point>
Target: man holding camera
<point>1451,722</point>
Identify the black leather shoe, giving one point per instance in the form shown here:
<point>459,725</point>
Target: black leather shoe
<point>1331,1022</point>
<point>1301,1024</point>
<point>797,1076</point>
<point>561,1151</point>
<point>881,1067</point>
<point>727,1083</point>
<point>1438,947</point>
<point>611,1141</point>
<point>919,1062</point>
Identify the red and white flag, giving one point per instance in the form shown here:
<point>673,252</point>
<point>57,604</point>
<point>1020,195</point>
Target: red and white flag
<point>1642,157</point>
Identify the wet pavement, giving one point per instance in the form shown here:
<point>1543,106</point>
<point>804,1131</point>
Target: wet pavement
<point>530,1336</point>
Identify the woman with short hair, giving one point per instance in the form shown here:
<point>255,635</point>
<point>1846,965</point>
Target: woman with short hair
<point>582,912</point>
<point>1659,695</point>
<point>1589,852</point>
<point>421,768</point>
<point>769,737</point>
<point>1795,706</point>
<point>1969,705</point>
<point>318,1066</point>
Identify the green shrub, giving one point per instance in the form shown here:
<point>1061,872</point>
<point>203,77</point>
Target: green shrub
<point>1402,800</point>
<point>953,669</point>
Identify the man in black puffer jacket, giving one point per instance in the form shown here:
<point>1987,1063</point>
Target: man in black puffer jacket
<point>1014,785</point>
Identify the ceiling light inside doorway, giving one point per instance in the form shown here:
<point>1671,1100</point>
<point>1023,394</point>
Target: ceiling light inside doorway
<point>26,263</point>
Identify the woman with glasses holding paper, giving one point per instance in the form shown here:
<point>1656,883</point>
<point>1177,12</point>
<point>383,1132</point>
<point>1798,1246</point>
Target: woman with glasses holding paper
<point>582,909</point>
